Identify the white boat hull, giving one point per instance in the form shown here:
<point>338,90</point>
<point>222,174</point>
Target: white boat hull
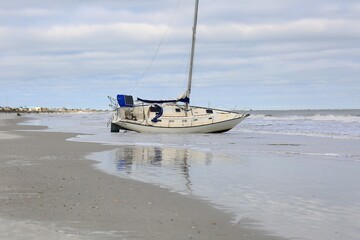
<point>208,128</point>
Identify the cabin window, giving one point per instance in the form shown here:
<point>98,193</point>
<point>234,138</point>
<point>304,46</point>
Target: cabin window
<point>210,118</point>
<point>195,119</point>
<point>171,121</point>
<point>209,111</point>
<point>184,120</point>
<point>178,110</point>
<point>159,120</point>
<point>155,109</point>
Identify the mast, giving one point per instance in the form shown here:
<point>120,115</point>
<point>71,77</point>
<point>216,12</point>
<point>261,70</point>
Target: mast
<point>188,91</point>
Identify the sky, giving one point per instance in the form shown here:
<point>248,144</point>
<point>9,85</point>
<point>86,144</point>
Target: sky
<point>264,54</point>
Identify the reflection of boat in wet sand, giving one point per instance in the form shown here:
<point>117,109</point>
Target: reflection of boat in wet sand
<point>156,155</point>
<point>173,163</point>
<point>172,116</point>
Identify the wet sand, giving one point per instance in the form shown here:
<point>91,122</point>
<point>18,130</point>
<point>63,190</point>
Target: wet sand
<point>48,190</point>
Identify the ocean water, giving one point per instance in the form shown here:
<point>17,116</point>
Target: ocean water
<point>294,173</point>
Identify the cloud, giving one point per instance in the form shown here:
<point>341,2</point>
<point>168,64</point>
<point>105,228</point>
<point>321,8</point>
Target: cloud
<point>248,46</point>
<point>25,13</point>
<point>300,30</point>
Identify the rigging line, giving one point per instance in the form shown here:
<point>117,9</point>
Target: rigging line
<point>158,48</point>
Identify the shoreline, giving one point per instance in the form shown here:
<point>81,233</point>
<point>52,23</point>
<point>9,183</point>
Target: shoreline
<point>48,182</point>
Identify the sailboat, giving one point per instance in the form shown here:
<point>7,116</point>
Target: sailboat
<point>174,115</point>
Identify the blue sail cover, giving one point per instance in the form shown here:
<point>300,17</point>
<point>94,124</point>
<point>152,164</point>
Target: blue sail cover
<point>158,115</point>
<point>183,99</point>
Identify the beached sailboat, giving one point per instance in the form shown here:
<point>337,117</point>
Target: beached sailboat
<point>175,115</point>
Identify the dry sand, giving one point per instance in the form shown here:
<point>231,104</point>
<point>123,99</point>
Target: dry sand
<point>48,190</point>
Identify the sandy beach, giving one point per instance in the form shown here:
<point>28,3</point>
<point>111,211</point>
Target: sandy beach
<point>48,190</point>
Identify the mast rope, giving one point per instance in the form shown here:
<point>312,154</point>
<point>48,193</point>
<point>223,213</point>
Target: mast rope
<point>158,48</point>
